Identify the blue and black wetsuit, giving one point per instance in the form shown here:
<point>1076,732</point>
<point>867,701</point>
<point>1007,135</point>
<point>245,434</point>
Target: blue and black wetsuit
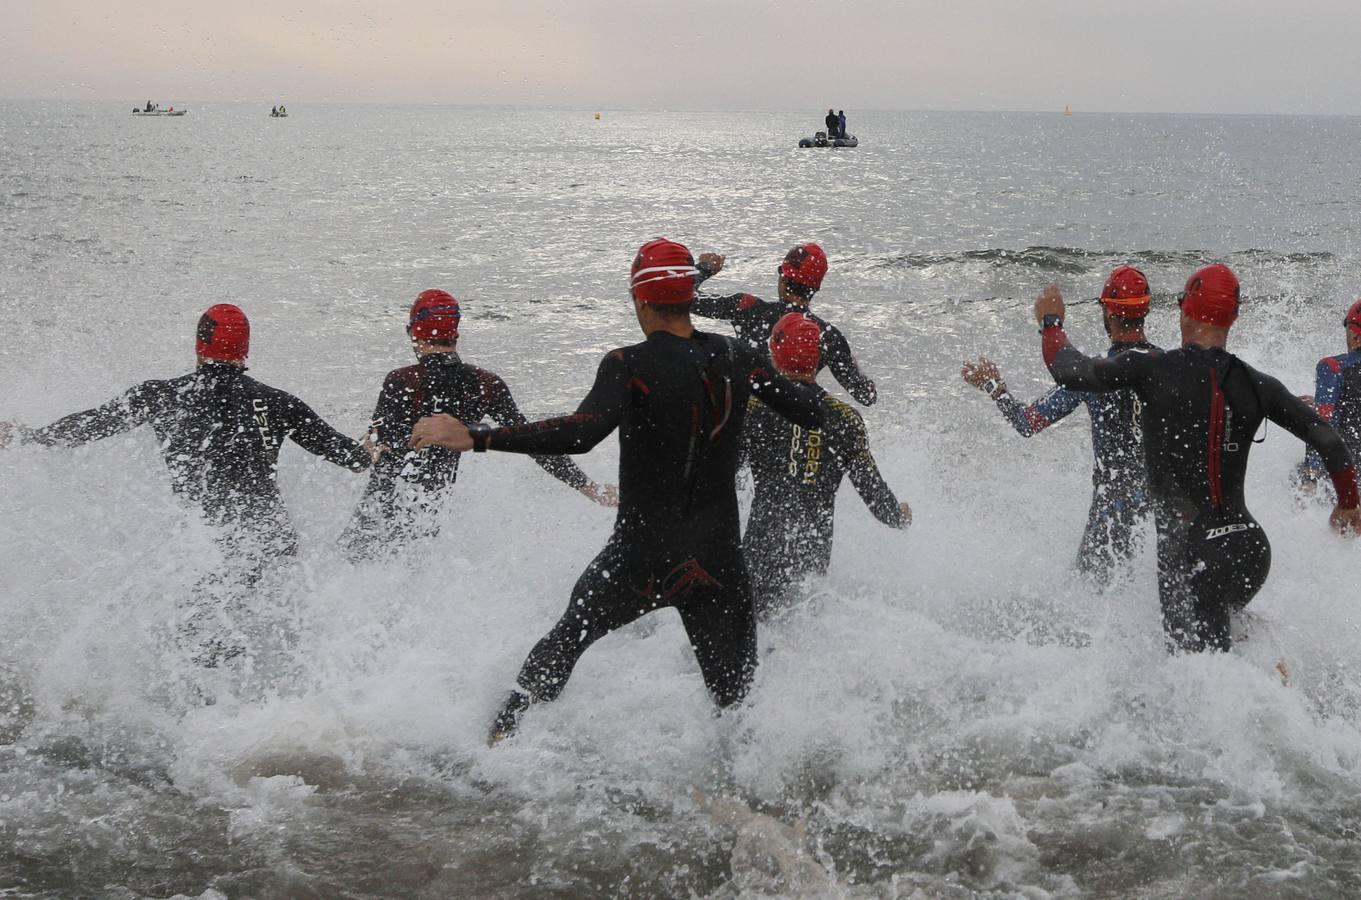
<point>1119,481</point>
<point>753,319</point>
<point>1201,409</point>
<point>1337,398</point>
<point>679,405</point>
<point>407,487</point>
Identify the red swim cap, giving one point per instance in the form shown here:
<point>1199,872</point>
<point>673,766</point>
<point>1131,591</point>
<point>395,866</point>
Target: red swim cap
<point>223,333</point>
<point>434,316</point>
<point>805,265</point>
<point>663,273</point>
<point>796,344</point>
<point>1126,293</point>
<point>1212,295</point>
<point>1353,319</point>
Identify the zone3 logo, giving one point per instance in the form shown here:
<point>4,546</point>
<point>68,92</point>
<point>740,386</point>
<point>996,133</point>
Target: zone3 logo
<point>1226,530</point>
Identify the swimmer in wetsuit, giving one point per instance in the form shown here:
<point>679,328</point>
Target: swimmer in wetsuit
<point>407,487</point>
<point>679,401</point>
<point>1337,397</point>
<point>219,432</point>
<point>1202,407</point>
<point>796,472</point>
<point>1119,483</point>
<point>800,277</point>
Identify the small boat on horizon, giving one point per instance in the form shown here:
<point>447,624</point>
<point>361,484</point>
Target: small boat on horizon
<point>278,112</point>
<point>154,109</point>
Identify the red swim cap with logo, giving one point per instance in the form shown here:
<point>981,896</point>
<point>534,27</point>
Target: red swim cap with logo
<point>223,333</point>
<point>805,265</point>
<point>663,273</point>
<point>434,316</point>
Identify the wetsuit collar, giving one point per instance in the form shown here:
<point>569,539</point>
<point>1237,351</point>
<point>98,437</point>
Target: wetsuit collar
<point>444,358</point>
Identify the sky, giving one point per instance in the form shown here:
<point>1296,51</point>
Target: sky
<point>1225,56</point>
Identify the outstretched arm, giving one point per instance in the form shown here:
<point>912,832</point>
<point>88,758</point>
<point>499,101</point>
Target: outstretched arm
<point>1073,370</point>
<point>1295,416</point>
<point>1027,420</point>
<point>799,403</point>
<point>121,414</point>
<point>836,352</point>
<point>311,433</point>
<point>503,409</point>
<point>1328,385</point>
<point>597,416</point>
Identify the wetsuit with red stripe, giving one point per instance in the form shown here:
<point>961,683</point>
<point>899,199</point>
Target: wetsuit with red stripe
<point>1337,398</point>
<point>1201,410</point>
<point>406,487</point>
<point>796,472</point>
<point>679,405</point>
<point>1119,485</point>
<point>753,319</point>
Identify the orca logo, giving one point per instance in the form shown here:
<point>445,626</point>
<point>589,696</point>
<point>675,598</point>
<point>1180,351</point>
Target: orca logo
<point>206,326</point>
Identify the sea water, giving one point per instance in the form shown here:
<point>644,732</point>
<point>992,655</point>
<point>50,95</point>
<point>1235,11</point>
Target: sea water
<point>951,712</point>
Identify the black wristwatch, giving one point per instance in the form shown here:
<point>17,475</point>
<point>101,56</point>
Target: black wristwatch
<point>1050,321</point>
<point>481,435</point>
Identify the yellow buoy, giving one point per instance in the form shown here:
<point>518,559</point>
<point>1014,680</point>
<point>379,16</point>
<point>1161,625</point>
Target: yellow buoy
<point>597,117</point>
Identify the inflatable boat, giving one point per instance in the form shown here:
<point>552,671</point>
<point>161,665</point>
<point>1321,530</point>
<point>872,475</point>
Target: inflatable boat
<point>821,140</point>
<point>159,112</point>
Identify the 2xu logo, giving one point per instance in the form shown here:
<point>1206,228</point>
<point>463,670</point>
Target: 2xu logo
<point>261,414</point>
<point>1226,530</point>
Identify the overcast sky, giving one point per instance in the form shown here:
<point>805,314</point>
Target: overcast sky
<point>1097,55</point>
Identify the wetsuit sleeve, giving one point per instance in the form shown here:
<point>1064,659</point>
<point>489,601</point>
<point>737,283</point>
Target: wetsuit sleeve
<point>598,415</point>
<point>1032,419</point>
<point>1327,392</point>
<point>1088,373</point>
<point>836,352</point>
<point>307,429</point>
<point>501,407</point>
<point>1295,416</point>
<point>799,403</point>
<point>715,307</point>
<point>864,473</point>
<point>121,414</point>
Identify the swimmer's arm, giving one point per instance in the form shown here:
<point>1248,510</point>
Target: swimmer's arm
<point>836,350</point>
<point>119,415</point>
<point>1327,391</point>
<point>1049,409</point>
<point>310,432</point>
<point>598,415</point>
<point>1090,373</point>
<point>1295,416</point>
<point>869,483</point>
<point>502,407</point>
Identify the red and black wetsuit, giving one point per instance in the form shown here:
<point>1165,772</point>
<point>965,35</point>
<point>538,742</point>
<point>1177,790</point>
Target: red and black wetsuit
<point>1201,409</point>
<point>796,472</point>
<point>679,404</point>
<point>1337,398</point>
<point>753,319</point>
<point>406,486</point>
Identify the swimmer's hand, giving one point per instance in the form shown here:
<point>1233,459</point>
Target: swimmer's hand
<point>441,430</point>
<point>710,263</point>
<point>604,494</point>
<point>1346,522</point>
<point>907,514</point>
<point>374,449</point>
<point>980,373</point>
<point>1049,303</point>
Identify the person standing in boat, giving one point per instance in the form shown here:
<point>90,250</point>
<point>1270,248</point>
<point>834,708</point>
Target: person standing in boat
<point>841,123</point>
<point>831,124</point>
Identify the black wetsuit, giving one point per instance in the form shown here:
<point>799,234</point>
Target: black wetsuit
<point>679,405</point>
<point>796,472</point>
<point>753,319</point>
<point>406,487</point>
<point>1201,410</point>
<point>1119,482</point>
<point>219,432</point>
